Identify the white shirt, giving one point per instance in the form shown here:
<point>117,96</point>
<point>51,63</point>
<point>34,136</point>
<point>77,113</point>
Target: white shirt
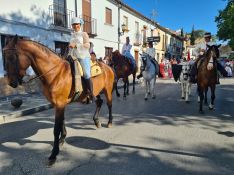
<point>151,52</point>
<point>126,48</point>
<point>202,46</point>
<point>80,38</point>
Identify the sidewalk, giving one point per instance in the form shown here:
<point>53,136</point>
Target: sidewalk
<point>32,102</point>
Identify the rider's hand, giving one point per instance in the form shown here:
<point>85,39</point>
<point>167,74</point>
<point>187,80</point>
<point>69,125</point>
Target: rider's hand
<point>72,45</point>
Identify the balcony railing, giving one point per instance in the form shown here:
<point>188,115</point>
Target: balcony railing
<point>137,39</point>
<point>62,17</point>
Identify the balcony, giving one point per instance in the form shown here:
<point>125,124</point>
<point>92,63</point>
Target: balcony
<point>137,39</point>
<point>61,20</point>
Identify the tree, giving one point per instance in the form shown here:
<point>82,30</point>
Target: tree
<point>182,32</point>
<point>225,23</point>
<point>192,37</point>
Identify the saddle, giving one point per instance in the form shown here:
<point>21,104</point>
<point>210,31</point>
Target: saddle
<point>77,73</point>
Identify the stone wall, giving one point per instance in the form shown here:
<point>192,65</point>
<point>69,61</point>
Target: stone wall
<point>6,90</point>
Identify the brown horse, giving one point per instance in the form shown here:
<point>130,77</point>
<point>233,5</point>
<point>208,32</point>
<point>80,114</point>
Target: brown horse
<point>56,77</point>
<point>207,75</point>
<point>123,69</point>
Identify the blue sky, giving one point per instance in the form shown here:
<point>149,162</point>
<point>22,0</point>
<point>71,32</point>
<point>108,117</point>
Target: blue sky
<point>176,14</point>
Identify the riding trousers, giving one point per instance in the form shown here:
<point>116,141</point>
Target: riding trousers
<point>85,64</point>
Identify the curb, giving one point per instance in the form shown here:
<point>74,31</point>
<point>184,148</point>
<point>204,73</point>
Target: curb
<point>24,112</point>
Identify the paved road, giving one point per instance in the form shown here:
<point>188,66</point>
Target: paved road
<point>164,136</point>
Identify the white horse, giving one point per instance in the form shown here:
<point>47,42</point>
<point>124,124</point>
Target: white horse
<point>149,74</point>
<point>185,81</point>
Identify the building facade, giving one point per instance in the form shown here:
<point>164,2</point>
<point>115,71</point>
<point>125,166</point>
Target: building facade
<point>108,23</point>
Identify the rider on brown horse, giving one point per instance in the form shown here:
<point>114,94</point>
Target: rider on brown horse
<point>199,52</point>
<point>80,43</point>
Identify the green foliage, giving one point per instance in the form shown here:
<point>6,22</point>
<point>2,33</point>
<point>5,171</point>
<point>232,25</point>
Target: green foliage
<point>192,37</point>
<point>225,23</point>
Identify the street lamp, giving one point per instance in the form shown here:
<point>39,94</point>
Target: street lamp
<point>123,27</point>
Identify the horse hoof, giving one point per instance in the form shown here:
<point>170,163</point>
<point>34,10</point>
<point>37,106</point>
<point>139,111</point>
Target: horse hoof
<point>61,142</point>
<point>148,93</point>
<point>153,97</point>
<point>98,124</point>
<point>211,108</point>
<point>118,95</point>
<point>51,162</point>
<point>146,99</point>
<point>109,125</point>
<point>187,101</point>
<point>182,98</point>
<point>201,112</point>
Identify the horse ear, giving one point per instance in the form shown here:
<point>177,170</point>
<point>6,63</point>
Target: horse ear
<point>219,45</point>
<point>15,39</point>
<point>208,46</point>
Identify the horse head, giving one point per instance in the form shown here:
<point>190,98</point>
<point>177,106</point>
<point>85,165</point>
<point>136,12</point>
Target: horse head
<point>145,59</point>
<point>15,63</point>
<point>185,71</point>
<point>212,54</point>
<point>115,58</point>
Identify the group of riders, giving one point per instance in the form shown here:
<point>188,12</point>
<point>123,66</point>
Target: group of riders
<point>80,44</point>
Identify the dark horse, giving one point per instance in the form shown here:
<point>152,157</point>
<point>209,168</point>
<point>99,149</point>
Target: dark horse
<point>207,75</point>
<point>56,78</point>
<point>123,69</point>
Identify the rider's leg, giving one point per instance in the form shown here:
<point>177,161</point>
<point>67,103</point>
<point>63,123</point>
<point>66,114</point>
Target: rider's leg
<point>85,63</point>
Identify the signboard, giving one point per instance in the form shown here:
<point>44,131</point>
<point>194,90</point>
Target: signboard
<point>153,39</point>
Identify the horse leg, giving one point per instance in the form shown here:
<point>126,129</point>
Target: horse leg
<point>108,95</point>
<point>58,127</point>
<point>205,98</point>
<point>146,90</point>
<point>116,89</point>
<point>127,86</point>
<point>133,83</point>
<point>211,106</point>
<point>187,92</point>
<point>153,88</point>
<point>63,135</point>
<point>182,90</point>
<point>98,102</point>
<point>201,95</point>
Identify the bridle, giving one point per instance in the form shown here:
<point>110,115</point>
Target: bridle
<point>17,67</point>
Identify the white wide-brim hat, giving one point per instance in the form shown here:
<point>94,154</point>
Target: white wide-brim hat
<point>77,20</point>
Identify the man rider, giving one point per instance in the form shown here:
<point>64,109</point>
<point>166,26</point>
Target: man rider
<point>151,52</point>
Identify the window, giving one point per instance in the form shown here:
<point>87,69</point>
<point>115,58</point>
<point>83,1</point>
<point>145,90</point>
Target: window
<point>108,51</point>
<point>136,27</point>
<point>125,21</point>
<point>60,17</point>
<point>108,16</point>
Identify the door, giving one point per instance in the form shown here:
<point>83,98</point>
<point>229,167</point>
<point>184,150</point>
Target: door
<point>86,9</point>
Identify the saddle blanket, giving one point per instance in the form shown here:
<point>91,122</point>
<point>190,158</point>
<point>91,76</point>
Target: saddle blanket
<point>95,68</point>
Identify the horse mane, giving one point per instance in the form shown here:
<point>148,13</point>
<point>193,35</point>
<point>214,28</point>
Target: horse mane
<point>41,46</point>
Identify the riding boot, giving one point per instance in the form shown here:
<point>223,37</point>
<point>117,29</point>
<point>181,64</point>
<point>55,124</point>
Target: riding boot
<point>140,75</point>
<point>89,86</point>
